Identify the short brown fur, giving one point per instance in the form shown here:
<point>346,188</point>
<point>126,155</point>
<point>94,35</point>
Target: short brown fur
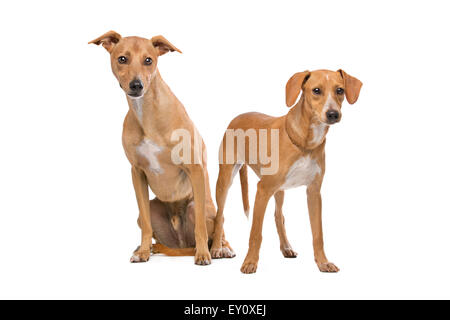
<point>297,140</point>
<point>182,215</point>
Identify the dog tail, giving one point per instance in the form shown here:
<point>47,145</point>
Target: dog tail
<point>180,252</point>
<point>244,188</point>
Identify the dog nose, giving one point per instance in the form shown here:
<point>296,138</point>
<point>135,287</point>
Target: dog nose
<point>136,86</point>
<point>332,116</point>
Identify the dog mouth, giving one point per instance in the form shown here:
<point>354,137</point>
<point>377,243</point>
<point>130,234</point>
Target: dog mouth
<point>134,95</point>
<point>324,122</point>
<point>331,122</point>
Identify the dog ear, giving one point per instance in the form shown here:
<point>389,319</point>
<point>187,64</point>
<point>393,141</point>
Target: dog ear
<point>163,45</point>
<point>294,86</point>
<point>108,40</point>
<point>352,86</point>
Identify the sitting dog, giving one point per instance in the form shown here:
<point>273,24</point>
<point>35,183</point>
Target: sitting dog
<point>301,144</point>
<point>182,215</point>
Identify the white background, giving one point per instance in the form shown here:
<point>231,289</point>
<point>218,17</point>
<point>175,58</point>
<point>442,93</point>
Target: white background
<point>68,212</point>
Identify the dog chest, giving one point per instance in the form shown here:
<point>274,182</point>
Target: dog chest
<point>150,151</point>
<point>302,172</point>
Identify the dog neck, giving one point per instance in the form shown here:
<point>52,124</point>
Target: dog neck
<point>155,110</point>
<point>304,130</point>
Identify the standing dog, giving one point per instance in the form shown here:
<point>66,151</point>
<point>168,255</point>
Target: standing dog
<point>182,215</point>
<point>302,157</point>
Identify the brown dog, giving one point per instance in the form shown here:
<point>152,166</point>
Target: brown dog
<point>301,142</point>
<point>182,215</point>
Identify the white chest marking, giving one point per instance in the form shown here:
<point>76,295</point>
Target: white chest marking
<point>302,172</point>
<point>150,151</point>
<point>318,133</point>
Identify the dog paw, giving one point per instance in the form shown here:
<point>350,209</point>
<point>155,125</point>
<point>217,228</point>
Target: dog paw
<point>223,252</point>
<point>289,253</point>
<point>140,256</point>
<point>228,253</point>
<point>249,267</point>
<point>327,267</point>
<point>202,258</point>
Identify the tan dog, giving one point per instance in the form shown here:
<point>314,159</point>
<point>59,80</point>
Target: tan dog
<point>182,214</point>
<point>302,157</point>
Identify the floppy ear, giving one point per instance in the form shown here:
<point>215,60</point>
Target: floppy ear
<point>294,86</point>
<point>163,45</point>
<point>108,40</point>
<point>352,87</point>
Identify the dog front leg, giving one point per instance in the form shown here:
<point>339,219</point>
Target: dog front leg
<point>315,218</point>
<point>285,246</point>
<point>142,253</point>
<point>197,176</point>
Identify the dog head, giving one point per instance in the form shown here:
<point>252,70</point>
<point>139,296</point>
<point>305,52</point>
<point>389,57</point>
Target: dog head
<point>134,59</point>
<point>324,92</point>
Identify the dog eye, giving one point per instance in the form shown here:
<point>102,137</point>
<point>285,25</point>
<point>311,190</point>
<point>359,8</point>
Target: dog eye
<point>340,91</point>
<point>316,91</point>
<point>148,61</point>
<point>122,59</point>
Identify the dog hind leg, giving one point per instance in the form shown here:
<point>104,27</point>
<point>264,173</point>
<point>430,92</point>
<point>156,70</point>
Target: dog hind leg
<point>223,184</point>
<point>163,230</point>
